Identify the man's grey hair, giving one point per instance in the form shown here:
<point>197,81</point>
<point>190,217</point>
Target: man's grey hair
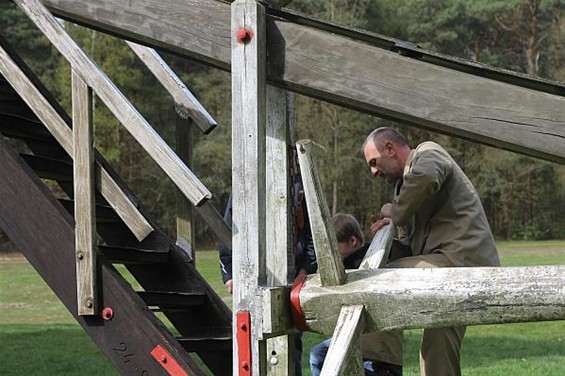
<point>382,134</point>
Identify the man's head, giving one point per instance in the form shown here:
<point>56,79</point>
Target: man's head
<point>348,233</point>
<point>386,152</point>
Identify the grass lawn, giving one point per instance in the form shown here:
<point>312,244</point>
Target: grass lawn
<point>38,336</point>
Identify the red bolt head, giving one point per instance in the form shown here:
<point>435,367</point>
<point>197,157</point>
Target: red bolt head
<point>107,313</point>
<point>243,35</point>
<point>245,366</point>
<point>163,359</point>
<point>243,326</point>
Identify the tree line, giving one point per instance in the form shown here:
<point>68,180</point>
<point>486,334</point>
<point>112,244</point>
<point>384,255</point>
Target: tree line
<point>523,196</point>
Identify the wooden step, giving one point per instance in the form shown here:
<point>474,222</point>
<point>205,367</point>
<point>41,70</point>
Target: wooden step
<point>24,129</point>
<point>219,343</point>
<point>134,256</point>
<point>48,168</point>
<point>172,300</point>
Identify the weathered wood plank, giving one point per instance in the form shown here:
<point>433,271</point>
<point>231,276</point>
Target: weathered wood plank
<point>44,232</point>
<point>188,104</point>
<point>123,206</point>
<point>379,250</point>
<point>248,169</point>
<point>185,211</point>
<point>330,262</point>
<point>439,297</point>
<point>326,65</point>
<point>344,354</point>
<point>85,215</point>
<point>130,118</point>
<point>280,270</point>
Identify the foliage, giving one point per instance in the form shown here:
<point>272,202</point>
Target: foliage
<point>522,196</point>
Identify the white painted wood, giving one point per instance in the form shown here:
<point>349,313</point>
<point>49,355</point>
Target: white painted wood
<point>130,118</point>
<point>123,206</point>
<point>330,262</point>
<point>344,355</point>
<point>189,105</point>
<point>248,168</point>
<point>439,297</point>
<point>85,214</point>
<point>379,250</point>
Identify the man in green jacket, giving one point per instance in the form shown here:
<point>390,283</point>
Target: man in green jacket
<point>441,223</point>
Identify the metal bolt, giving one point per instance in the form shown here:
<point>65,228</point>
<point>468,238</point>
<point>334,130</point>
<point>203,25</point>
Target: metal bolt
<point>80,256</point>
<point>243,327</point>
<point>163,359</point>
<point>245,366</point>
<point>302,149</point>
<point>274,360</point>
<point>89,303</point>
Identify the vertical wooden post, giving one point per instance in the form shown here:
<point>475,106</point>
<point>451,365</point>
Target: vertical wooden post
<point>85,223</point>
<point>185,211</point>
<point>280,271</point>
<point>248,174</point>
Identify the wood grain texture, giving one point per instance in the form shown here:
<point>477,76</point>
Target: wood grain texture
<point>379,250</point>
<point>84,210</point>
<point>344,354</point>
<point>326,65</point>
<point>439,297</point>
<point>58,127</point>
<point>330,262</point>
<point>248,170</point>
<point>279,256</point>
<point>189,105</point>
<point>130,118</point>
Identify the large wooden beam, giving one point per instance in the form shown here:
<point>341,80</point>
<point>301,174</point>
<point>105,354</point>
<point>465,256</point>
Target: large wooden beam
<point>44,232</point>
<point>440,297</point>
<point>326,65</point>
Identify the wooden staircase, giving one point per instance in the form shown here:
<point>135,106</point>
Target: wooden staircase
<point>41,224</point>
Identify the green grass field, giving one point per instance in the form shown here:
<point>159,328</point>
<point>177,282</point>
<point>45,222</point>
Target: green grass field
<point>38,336</point>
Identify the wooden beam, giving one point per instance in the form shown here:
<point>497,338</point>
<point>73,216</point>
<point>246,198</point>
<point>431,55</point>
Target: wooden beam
<point>248,173</point>
<point>59,128</point>
<point>344,354</point>
<point>439,297</point>
<point>317,61</point>
<point>330,262</point>
<point>279,257</point>
<point>43,231</point>
<point>379,250</point>
<point>185,211</point>
<point>124,111</point>
<point>85,215</point>
<point>187,104</point>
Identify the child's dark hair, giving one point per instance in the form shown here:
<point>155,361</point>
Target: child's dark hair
<point>345,226</point>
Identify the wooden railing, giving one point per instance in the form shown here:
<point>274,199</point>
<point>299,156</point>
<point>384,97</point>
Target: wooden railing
<point>87,78</point>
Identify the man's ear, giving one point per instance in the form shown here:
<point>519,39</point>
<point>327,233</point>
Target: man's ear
<point>390,148</point>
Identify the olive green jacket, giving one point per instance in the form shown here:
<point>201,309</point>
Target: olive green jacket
<point>440,211</point>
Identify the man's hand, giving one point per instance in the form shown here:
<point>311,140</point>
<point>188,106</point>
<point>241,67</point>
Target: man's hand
<point>378,224</point>
<point>229,285</point>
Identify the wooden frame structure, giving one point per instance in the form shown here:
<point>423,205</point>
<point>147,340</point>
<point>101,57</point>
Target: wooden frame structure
<point>269,51</point>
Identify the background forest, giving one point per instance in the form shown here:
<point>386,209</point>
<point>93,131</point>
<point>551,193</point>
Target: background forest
<point>524,197</point>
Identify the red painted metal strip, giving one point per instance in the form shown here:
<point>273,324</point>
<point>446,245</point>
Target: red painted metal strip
<point>297,313</point>
<point>167,361</point>
<point>243,335</point>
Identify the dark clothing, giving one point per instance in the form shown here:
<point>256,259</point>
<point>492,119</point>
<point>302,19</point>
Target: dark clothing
<point>354,260</point>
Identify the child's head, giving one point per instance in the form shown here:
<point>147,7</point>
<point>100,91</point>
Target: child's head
<point>348,233</point>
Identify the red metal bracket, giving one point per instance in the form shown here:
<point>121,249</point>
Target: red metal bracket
<point>167,361</point>
<point>243,335</point>
<point>297,313</point>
